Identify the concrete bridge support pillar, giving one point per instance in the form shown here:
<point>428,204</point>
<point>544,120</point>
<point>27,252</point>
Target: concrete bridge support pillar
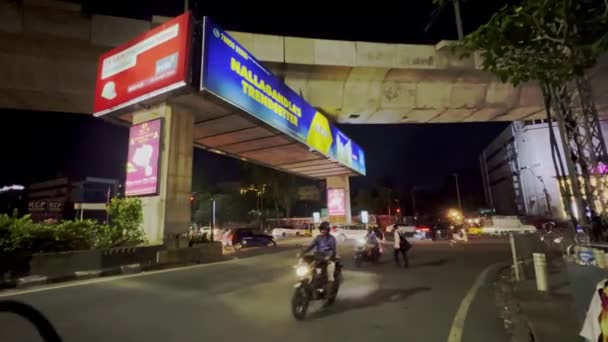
<point>168,213</point>
<point>340,182</point>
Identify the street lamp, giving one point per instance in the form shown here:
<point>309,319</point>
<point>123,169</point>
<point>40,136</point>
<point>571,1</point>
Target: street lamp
<point>458,192</point>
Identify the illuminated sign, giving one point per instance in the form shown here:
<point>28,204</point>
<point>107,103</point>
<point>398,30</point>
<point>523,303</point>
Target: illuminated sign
<point>149,65</point>
<point>364,217</point>
<point>144,158</point>
<point>316,217</point>
<point>335,202</point>
<point>232,73</point>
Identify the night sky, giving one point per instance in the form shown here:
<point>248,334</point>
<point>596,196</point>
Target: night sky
<point>79,145</point>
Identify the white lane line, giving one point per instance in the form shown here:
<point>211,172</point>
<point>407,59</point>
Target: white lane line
<point>75,283</point>
<point>459,319</point>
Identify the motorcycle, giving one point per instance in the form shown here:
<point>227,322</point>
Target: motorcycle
<point>312,279</point>
<point>366,252</point>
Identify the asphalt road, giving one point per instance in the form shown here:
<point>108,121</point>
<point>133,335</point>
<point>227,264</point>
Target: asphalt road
<point>247,299</point>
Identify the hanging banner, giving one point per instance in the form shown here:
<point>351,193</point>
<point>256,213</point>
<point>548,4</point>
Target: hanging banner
<point>335,202</point>
<point>144,159</point>
<point>233,74</point>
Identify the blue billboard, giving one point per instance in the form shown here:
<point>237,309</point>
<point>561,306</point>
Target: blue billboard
<point>233,74</point>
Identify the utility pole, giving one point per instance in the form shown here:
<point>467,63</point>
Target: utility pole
<point>458,19</point>
<point>186,6</point>
<point>413,195</point>
<point>458,192</point>
<point>212,217</point>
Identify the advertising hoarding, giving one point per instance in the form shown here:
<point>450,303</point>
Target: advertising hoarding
<point>335,202</point>
<point>232,73</point>
<point>145,141</point>
<point>149,65</point>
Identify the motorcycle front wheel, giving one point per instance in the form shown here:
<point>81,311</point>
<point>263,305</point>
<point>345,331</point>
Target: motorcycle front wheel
<point>358,261</point>
<point>334,293</point>
<point>300,302</point>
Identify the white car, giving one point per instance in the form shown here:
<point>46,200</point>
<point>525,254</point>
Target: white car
<point>349,232</point>
<point>289,231</point>
<point>217,232</point>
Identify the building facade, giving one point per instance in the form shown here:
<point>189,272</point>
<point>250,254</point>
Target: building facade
<point>309,193</point>
<point>63,198</point>
<point>518,173</point>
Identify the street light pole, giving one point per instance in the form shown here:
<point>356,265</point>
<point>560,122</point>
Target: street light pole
<point>212,217</point>
<point>458,192</point>
<point>458,19</point>
<point>413,195</point>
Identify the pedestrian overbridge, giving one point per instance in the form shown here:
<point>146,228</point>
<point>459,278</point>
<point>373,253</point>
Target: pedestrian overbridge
<point>49,50</point>
<point>176,88</point>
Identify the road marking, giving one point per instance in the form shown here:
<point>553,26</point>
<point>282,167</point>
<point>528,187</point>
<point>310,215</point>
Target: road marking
<point>459,319</point>
<point>12,293</point>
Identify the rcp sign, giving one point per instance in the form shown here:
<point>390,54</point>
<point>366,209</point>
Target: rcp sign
<point>150,65</point>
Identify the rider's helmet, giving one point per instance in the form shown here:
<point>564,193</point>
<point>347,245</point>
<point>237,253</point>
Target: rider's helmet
<point>324,226</point>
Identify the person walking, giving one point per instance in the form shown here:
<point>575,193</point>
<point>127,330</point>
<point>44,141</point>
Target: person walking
<point>401,245</point>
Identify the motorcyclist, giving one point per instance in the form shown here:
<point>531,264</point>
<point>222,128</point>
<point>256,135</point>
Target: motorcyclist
<point>371,240</point>
<point>325,246</point>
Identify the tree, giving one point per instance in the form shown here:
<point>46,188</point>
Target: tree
<point>364,200</point>
<point>384,200</point>
<point>553,42</point>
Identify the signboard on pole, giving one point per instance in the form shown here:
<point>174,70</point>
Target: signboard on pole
<point>233,74</point>
<point>335,202</point>
<point>150,65</point>
<point>144,159</point>
<point>316,217</point>
<point>364,217</point>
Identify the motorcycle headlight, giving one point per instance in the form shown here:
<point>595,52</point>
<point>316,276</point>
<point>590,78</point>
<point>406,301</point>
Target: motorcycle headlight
<point>558,240</point>
<point>361,242</point>
<point>302,270</point>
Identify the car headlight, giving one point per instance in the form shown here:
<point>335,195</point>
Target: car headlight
<point>302,270</point>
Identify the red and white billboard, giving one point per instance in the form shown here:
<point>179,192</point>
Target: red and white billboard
<point>149,65</point>
<point>335,202</point>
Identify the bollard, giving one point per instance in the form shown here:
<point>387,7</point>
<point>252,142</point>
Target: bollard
<point>540,270</point>
<point>598,255</point>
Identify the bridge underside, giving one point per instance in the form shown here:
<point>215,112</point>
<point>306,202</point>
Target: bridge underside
<point>372,95</point>
<point>49,50</point>
<point>223,129</point>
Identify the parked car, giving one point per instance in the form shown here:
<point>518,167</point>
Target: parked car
<point>348,232</point>
<point>217,232</point>
<point>289,231</point>
<point>246,237</point>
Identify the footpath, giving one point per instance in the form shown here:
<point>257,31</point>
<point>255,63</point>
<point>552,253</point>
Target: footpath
<point>531,315</point>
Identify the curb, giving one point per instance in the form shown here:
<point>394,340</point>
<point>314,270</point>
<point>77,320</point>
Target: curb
<point>35,280</point>
<point>517,325</point>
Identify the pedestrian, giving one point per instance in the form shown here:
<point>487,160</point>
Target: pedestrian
<point>401,245</point>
